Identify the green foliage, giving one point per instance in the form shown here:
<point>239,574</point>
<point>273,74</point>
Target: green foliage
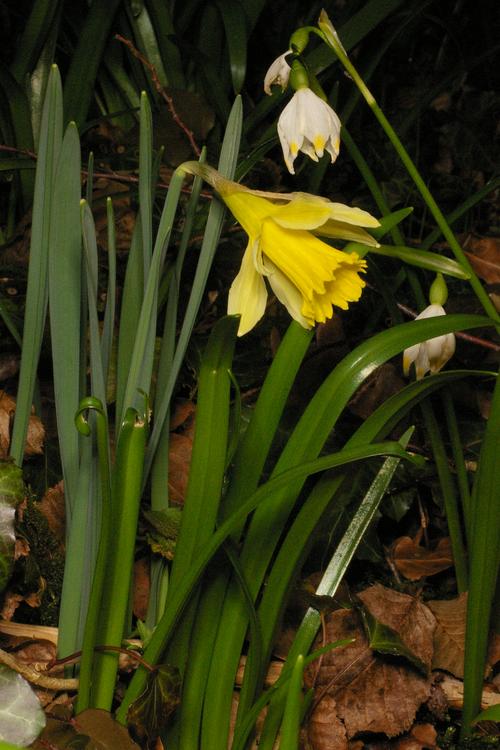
<point>11,494</point>
<point>257,498</point>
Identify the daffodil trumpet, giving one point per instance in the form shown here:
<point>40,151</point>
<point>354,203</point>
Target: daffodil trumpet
<point>307,275</point>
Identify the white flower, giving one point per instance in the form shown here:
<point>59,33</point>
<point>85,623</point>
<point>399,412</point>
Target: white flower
<point>432,354</point>
<point>278,73</point>
<point>310,125</point>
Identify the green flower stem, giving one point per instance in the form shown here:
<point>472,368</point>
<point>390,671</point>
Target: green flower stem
<point>378,196</point>
<point>458,457</point>
<point>290,728</point>
<point>94,607</point>
<point>449,494</point>
<point>166,626</point>
<point>484,556</point>
<point>127,481</point>
<point>330,37</point>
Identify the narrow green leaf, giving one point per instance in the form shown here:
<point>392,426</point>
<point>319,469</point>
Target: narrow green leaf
<point>235,24</point>
<point>161,19</point>
<point>64,276</point>
<point>164,629</point>
<point>145,181</point>
<point>36,30</point>
<point>79,83</point>
<point>37,291</point>
<point>290,727</point>
<point>418,258</point>
<point>227,165</point>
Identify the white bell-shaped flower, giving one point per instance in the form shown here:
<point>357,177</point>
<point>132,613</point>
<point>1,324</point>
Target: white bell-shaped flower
<point>310,125</point>
<point>429,355</point>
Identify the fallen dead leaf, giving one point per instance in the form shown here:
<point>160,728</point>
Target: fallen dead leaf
<point>484,256</point>
<point>420,737</point>
<point>180,450</point>
<point>449,637</point>
<point>373,694</point>
<point>36,430</point>
<point>405,615</point>
<point>141,587</point>
<point>179,461</point>
<point>415,562</point>
<point>52,507</point>
<point>325,731</point>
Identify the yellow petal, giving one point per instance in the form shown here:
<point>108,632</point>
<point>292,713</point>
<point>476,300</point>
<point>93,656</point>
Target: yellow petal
<point>302,213</point>
<point>287,293</point>
<point>352,215</point>
<point>249,210</point>
<point>342,230</point>
<point>248,294</point>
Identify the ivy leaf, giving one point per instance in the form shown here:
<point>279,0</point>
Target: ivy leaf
<point>11,494</point>
<point>151,710</point>
<point>21,716</point>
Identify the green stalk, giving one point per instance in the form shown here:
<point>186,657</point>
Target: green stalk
<point>126,493</point>
<point>458,457</point>
<point>290,727</point>
<point>166,627</point>
<point>484,563</point>
<point>330,37</point>
<point>268,522</point>
<point>201,508</point>
<point>100,571</point>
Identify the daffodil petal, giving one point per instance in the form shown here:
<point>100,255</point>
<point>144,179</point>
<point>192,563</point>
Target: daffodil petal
<point>343,231</point>
<point>302,214</point>
<point>248,293</point>
<point>288,294</point>
<point>352,215</point>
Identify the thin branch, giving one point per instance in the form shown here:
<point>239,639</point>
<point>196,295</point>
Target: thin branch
<point>161,90</point>
<point>37,678</point>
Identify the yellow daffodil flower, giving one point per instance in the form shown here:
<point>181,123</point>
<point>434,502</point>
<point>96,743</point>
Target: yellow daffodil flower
<point>310,125</point>
<point>429,355</point>
<point>308,276</point>
<point>278,73</point>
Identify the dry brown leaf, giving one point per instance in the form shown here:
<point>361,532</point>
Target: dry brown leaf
<point>449,636</point>
<point>415,562</point>
<point>325,731</point>
<point>141,588</point>
<point>179,461</point>
<point>180,450</point>
<point>420,737</point>
<point>52,507</point>
<point>484,256</point>
<point>371,693</point>
<point>406,615</point>
<point>183,416</point>
<point>11,602</point>
<point>36,430</point>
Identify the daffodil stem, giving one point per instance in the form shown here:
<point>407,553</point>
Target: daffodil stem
<point>329,37</point>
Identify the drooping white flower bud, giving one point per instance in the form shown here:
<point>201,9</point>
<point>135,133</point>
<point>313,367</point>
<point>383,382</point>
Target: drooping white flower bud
<point>429,355</point>
<point>310,125</point>
<point>278,73</point>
